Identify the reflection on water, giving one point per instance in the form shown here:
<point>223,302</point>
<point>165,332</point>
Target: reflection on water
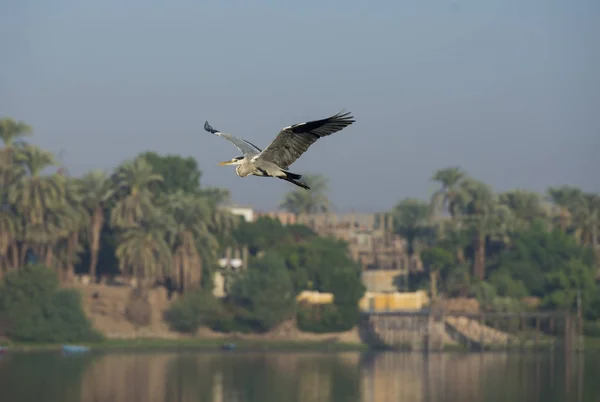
<point>306,377</point>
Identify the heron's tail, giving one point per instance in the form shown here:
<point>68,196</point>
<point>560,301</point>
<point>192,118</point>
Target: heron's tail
<point>291,175</point>
<point>293,178</point>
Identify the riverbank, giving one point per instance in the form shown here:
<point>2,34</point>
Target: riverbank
<point>196,344</point>
<point>592,344</point>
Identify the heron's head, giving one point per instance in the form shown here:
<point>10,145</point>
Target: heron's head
<point>235,161</point>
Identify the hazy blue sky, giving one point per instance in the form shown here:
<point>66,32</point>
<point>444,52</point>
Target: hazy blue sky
<point>509,90</point>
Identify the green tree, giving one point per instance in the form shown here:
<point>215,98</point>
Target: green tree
<point>11,133</point>
<point>265,293</point>
<point>143,251</point>
<point>189,234</point>
<point>565,199</point>
<point>96,191</point>
<point>526,206</point>
<point>178,173</point>
<point>38,311</point>
<point>323,264</point>
<point>550,264</point>
<point>193,310</point>
<point>267,233</point>
<point>449,196</point>
<point>412,221</point>
<point>35,197</point>
<point>437,262</point>
<point>134,199</point>
<point>484,217</point>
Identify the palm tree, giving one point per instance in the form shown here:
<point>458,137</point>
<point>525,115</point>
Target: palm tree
<point>216,196</point>
<point>97,191</point>
<point>10,224</point>
<point>412,221</point>
<point>34,196</point>
<point>565,198</point>
<point>74,222</point>
<point>188,229</point>
<point>11,132</point>
<point>585,212</point>
<point>448,196</point>
<point>143,251</point>
<point>484,217</point>
<point>308,201</point>
<point>9,230</point>
<point>449,199</point>
<point>526,206</point>
<point>132,186</point>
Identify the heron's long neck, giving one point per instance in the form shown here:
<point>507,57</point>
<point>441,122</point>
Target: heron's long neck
<point>238,170</point>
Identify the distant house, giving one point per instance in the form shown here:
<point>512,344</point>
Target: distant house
<point>246,212</point>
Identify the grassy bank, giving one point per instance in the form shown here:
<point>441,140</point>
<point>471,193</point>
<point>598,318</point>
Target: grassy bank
<point>592,343</point>
<point>197,344</point>
<point>148,344</point>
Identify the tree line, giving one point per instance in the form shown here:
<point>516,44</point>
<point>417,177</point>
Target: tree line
<point>150,219</point>
<point>505,247</point>
<point>131,218</point>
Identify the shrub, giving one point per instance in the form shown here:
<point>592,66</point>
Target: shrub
<point>194,310</point>
<point>322,319</point>
<point>35,310</point>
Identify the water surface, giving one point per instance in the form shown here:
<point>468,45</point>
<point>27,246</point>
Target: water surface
<point>290,377</point>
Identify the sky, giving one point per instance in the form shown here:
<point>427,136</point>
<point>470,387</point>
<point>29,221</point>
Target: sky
<point>508,90</point>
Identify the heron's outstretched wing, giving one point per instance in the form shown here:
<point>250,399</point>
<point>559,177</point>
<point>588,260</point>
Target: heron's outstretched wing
<point>245,147</point>
<point>293,141</point>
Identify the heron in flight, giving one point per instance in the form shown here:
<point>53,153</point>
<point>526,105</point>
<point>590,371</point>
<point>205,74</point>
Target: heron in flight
<point>286,148</point>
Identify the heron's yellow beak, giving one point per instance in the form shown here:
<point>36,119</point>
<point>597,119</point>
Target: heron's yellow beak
<point>225,163</point>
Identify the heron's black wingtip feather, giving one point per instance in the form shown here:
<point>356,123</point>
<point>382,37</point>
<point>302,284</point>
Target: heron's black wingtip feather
<point>208,128</point>
<point>345,116</point>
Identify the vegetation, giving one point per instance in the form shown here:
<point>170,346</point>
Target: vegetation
<point>504,248</point>
<point>150,220</point>
<point>33,308</point>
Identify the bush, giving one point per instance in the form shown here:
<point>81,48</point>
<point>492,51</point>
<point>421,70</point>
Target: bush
<point>194,310</point>
<point>35,310</point>
<point>507,286</point>
<point>323,318</point>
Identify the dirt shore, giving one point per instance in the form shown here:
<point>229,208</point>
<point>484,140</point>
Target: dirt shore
<point>105,306</point>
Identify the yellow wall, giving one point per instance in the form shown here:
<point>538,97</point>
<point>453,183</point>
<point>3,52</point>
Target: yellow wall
<point>315,297</point>
<point>393,301</point>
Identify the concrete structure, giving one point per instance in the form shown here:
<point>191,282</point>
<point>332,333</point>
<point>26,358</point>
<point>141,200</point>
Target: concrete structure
<point>246,212</point>
<point>394,301</point>
<point>314,297</point>
<point>373,301</point>
<point>381,280</point>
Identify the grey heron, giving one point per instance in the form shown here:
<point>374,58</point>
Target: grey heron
<point>291,142</point>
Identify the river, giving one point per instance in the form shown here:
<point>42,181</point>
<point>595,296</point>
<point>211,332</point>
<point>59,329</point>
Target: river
<point>290,377</point>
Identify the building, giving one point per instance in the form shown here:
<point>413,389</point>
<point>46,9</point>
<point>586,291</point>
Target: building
<point>246,212</point>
